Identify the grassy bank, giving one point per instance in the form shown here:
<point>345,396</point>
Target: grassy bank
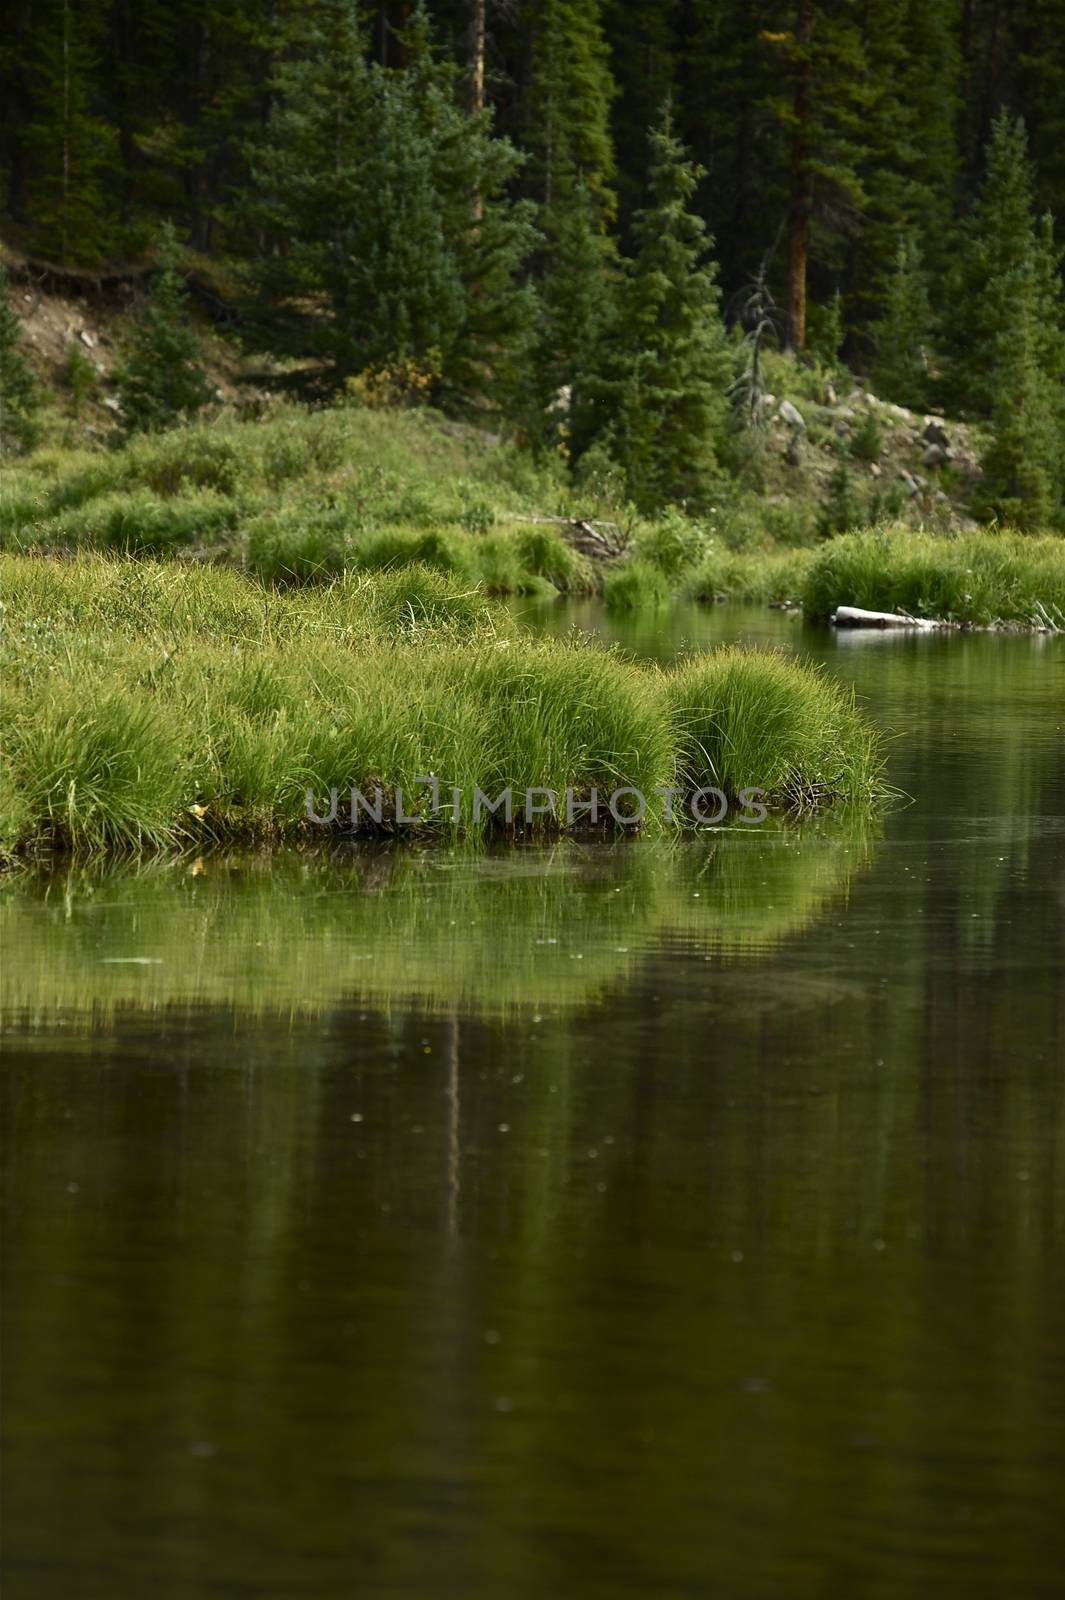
<point>304,495</point>
<point>150,704</point>
<point>978,579</point>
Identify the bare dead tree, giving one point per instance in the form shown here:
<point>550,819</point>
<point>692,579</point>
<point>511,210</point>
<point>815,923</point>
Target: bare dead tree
<point>758,314</point>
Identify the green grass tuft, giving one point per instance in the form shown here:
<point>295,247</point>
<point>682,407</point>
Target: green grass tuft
<point>759,577</point>
<point>976,578</point>
<point>153,704</point>
<point>756,718</point>
<point>636,586</point>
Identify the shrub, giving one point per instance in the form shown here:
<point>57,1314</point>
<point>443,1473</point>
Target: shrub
<point>544,552</point>
<point>671,543</point>
<point>867,442</point>
<point>140,522</point>
<point>161,380</point>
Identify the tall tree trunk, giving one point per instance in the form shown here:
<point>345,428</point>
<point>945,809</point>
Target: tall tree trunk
<point>477,31</point>
<point>65,213</point>
<point>801,201</point>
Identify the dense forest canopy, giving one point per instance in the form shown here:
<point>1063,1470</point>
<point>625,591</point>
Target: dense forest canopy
<point>498,201</point>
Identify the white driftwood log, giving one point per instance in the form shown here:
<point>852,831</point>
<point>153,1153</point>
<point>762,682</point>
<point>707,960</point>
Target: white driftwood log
<point>855,617</point>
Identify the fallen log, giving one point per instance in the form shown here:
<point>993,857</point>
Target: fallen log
<point>855,617</point>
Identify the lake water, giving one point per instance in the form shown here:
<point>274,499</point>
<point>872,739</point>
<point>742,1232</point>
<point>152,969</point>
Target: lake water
<point>638,1219</point>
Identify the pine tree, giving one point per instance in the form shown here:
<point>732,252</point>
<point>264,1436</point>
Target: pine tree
<point>19,394</point>
<point>70,147</point>
<point>903,335</point>
<point>997,244</point>
<point>1024,465</point>
<point>907,162</point>
<point>821,118</point>
<point>161,382</point>
<point>568,119</point>
<point>642,36</point>
<point>827,329</point>
<point>578,315</point>
<point>1021,483</point>
<point>669,390</point>
<point>384,198</point>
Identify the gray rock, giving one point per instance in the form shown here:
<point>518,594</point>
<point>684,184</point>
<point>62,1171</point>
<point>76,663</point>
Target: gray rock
<point>908,481</point>
<point>792,416</point>
<point>935,456</point>
<point>87,340</point>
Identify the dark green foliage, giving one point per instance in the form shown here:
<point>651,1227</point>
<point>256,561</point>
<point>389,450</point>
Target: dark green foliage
<point>1007,327</point>
<point>903,335</point>
<point>79,377</point>
<point>384,206</point>
<point>907,146</point>
<point>841,509</point>
<point>568,121</point>
<point>826,329</point>
<point>868,441</point>
<point>325,152</point>
<point>578,303</point>
<point>69,148</point>
<point>19,395</point>
<point>667,393</point>
<point>996,262</point>
<point>1022,465</point>
<point>161,381</point>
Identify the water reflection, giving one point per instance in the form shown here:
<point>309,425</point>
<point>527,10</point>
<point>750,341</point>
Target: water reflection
<point>361,1240</point>
<point>488,930</point>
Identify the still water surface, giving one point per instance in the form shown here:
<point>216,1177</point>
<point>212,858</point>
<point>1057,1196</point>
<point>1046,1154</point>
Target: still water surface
<point>605,1220</point>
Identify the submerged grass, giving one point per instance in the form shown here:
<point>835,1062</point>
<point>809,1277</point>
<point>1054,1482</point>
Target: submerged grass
<point>976,578</point>
<point>149,704</point>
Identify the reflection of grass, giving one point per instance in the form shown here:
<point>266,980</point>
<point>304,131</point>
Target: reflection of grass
<point>543,928</point>
<point>146,704</point>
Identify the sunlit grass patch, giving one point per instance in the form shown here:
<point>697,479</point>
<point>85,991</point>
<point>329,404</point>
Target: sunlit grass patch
<point>636,586</point>
<point>975,578</point>
<point>746,718</point>
<point>151,704</point>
